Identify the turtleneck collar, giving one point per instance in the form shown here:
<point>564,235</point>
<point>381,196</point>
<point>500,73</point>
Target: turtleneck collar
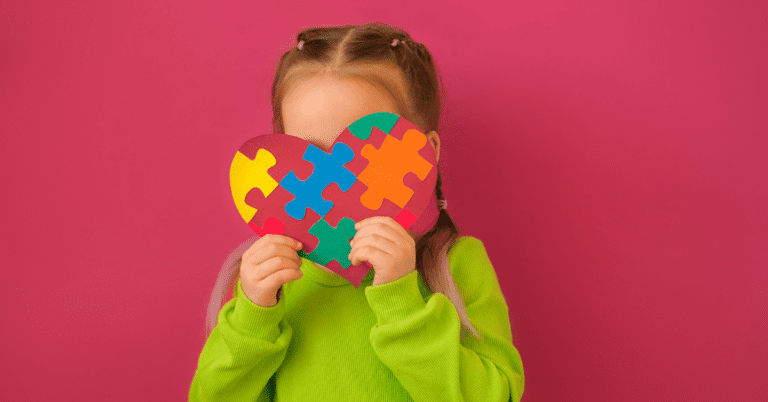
<point>321,277</point>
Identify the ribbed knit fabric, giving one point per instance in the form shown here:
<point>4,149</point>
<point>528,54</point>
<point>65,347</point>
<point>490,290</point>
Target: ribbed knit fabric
<point>326,340</point>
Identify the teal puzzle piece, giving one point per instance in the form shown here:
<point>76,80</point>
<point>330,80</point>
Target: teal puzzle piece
<point>334,242</point>
<point>362,127</point>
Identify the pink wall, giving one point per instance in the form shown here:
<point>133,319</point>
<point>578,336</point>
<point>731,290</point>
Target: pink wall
<point>623,198</point>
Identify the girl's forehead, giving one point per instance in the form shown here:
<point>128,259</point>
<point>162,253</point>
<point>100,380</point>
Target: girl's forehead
<point>323,107</point>
<point>348,89</point>
<point>360,79</point>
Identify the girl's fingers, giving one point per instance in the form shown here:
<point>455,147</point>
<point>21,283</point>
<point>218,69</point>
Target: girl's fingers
<point>372,254</point>
<point>382,230</point>
<point>377,241</point>
<point>272,247</point>
<point>386,220</point>
<point>281,239</point>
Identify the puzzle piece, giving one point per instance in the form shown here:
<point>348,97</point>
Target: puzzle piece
<point>329,168</point>
<point>272,225</point>
<point>354,274</point>
<point>388,165</point>
<point>246,174</point>
<point>334,242</point>
<point>275,209</point>
<point>347,204</point>
<point>384,121</point>
<point>405,218</point>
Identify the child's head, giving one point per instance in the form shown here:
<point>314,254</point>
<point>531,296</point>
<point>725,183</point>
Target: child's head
<point>337,75</point>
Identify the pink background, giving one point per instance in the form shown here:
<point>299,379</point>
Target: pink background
<point>623,198</point>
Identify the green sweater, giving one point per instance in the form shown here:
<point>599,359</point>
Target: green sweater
<point>326,340</point>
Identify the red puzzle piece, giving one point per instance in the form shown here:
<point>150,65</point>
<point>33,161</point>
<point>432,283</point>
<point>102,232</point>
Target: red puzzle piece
<point>272,225</point>
<point>275,209</point>
<point>405,218</point>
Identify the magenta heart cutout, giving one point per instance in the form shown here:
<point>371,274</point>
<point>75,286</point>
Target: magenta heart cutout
<point>380,165</point>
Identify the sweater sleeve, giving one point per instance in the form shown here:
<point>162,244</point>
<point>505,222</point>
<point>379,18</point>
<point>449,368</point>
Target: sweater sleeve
<point>418,338</point>
<point>242,353</point>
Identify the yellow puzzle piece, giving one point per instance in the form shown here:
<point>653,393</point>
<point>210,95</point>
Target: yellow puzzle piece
<point>246,174</point>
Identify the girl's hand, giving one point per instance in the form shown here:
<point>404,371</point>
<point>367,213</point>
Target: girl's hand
<point>270,262</point>
<point>386,245</point>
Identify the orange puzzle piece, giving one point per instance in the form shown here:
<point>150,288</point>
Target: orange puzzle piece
<point>388,165</point>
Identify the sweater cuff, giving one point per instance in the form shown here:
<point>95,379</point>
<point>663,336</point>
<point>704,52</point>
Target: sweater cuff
<point>396,300</point>
<point>255,320</point>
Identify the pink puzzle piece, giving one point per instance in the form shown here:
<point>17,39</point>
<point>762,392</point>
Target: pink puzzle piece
<point>275,209</point>
<point>405,218</point>
<point>354,274</point>
<point>272,225</point>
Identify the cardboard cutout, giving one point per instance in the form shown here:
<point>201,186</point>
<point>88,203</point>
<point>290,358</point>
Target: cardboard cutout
<point>380,165</point>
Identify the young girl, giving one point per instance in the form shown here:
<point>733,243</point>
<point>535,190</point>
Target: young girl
<point>295,330</point>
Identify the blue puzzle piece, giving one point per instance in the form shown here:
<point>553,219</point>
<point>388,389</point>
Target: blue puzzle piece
<point>329,168</point>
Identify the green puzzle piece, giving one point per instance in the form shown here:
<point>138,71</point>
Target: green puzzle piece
<point>334,242</point>
<point>384,121</point>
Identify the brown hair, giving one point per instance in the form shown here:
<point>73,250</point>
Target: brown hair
<point>342,50</point>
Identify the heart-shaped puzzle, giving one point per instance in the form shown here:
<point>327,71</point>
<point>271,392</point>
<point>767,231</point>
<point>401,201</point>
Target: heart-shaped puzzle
<point>380,165</point>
